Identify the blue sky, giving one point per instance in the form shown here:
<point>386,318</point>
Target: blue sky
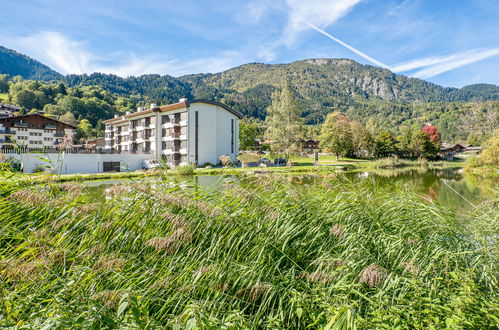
<point>452,43</point>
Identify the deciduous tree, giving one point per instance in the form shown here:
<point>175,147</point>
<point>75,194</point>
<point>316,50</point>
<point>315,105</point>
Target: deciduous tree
<point>336,135</point>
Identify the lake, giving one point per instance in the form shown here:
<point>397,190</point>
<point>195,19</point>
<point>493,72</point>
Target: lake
<point>448,187</point>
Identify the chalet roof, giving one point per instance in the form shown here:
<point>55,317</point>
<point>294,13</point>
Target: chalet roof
<point>16,118</point>
<point>175,106</point>
<point>9,106</point>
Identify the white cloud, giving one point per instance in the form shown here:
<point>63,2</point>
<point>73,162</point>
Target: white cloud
<point>58,52</point>
<point>320,13</point>
<point>433,66</point>
<point>68,56</point>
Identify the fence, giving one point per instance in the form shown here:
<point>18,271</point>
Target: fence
<point>49,150</point>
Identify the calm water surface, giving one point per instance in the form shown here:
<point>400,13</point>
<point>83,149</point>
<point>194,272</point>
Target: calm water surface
<point>448,187</point>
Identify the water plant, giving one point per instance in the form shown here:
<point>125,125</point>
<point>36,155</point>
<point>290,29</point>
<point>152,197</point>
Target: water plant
<point>257,254</point>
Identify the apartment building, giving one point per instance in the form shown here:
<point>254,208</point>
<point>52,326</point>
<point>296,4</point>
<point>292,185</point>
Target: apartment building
<point>34,131</point>
<point>189,131</point>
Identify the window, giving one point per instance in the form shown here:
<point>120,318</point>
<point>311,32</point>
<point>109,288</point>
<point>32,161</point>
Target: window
<point>111,166</point>
<point>35,134</point>
<point>48,139</point>
<point>165,119</point>
<point>232,135</point>
<point>196,136</point>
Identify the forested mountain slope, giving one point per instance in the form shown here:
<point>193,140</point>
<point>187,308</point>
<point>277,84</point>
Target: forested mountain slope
<point>363,92</point>
<point>16,64</point>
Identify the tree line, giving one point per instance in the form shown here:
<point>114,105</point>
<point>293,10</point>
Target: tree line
<point>284,130</point>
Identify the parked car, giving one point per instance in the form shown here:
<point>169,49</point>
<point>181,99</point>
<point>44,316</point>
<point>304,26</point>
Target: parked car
<point>280,161</point>
<point>150,164</point>
<point>265,161</point>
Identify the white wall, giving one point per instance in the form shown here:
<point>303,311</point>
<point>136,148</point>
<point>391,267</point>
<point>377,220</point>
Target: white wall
<point>214,133</point>
<point>80,163</point>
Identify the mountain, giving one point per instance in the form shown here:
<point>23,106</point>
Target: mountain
<point>325,85</point>
<point>16,64</point>
<point>161,89</point>
<point>363,92</point>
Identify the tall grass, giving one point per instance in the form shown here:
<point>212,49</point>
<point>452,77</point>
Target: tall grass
<point>263,254</point>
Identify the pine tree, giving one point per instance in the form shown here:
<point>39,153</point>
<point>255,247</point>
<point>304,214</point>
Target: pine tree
<point>284,123</point>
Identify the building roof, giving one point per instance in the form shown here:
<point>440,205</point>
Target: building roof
<point>175,106</point>
<point>9,106</point>
<point>35,115</point>
<point>234,112</point>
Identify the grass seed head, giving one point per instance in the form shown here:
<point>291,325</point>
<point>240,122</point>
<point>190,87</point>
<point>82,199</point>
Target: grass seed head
<point>29,197</point>
<point>410,267</point>
<point>164,244</point>
<point>373,275</point>
<point>71,188</point>
<point>413,241</point>
<point>256,292</point>
<point>108,263</point>
<point>109,298</point>
<point>317,277</point>
<point>337,230</point>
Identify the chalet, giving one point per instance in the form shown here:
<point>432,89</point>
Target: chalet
<point>34,131</point>
<point>309,145</point>
<point>8,110</point>
<point>96,143</point>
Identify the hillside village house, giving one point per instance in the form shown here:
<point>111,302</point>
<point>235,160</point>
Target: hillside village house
<point>189,131</point>
<point>34,131</point>
<point>7,110</point>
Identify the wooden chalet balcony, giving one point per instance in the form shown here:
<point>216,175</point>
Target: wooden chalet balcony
<point>19,124</point>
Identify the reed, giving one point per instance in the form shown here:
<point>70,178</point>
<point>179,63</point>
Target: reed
<point>253,255</point>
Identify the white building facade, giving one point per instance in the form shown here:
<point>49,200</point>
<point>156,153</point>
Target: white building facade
<point>34,132</point>
<point>187,132</point>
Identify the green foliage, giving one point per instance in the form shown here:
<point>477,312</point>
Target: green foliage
<point>284,123</point>
<point>248,158</point>
<point>386,145</point>
<point>248,133</point>
<point>336,135</point>
<point>257,255</point>
<point>189,169</point>
<point>422,146</point>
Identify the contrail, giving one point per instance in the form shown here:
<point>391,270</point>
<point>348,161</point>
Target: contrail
<point>356,51</point>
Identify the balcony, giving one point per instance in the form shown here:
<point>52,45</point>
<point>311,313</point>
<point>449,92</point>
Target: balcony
<point>20,124</point>
<point>58,134</point>
<point>7,131</point>
<point>6,140</point>
<point>49,126</point>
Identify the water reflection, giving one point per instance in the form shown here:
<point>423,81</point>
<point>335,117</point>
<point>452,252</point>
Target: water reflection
<point>449,187</point>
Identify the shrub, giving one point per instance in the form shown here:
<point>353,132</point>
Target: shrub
<point>245,159</point>
<point>225,160</point>
<point>39,169</point>
<point>389,162</point>
<point>186,169</point>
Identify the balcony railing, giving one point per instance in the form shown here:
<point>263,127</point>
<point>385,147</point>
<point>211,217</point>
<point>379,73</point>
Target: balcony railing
<point>6,130</point>
<point>19,124</point>
<point>59,135</point>
<point>55,150</point>
<point>48,126</point>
